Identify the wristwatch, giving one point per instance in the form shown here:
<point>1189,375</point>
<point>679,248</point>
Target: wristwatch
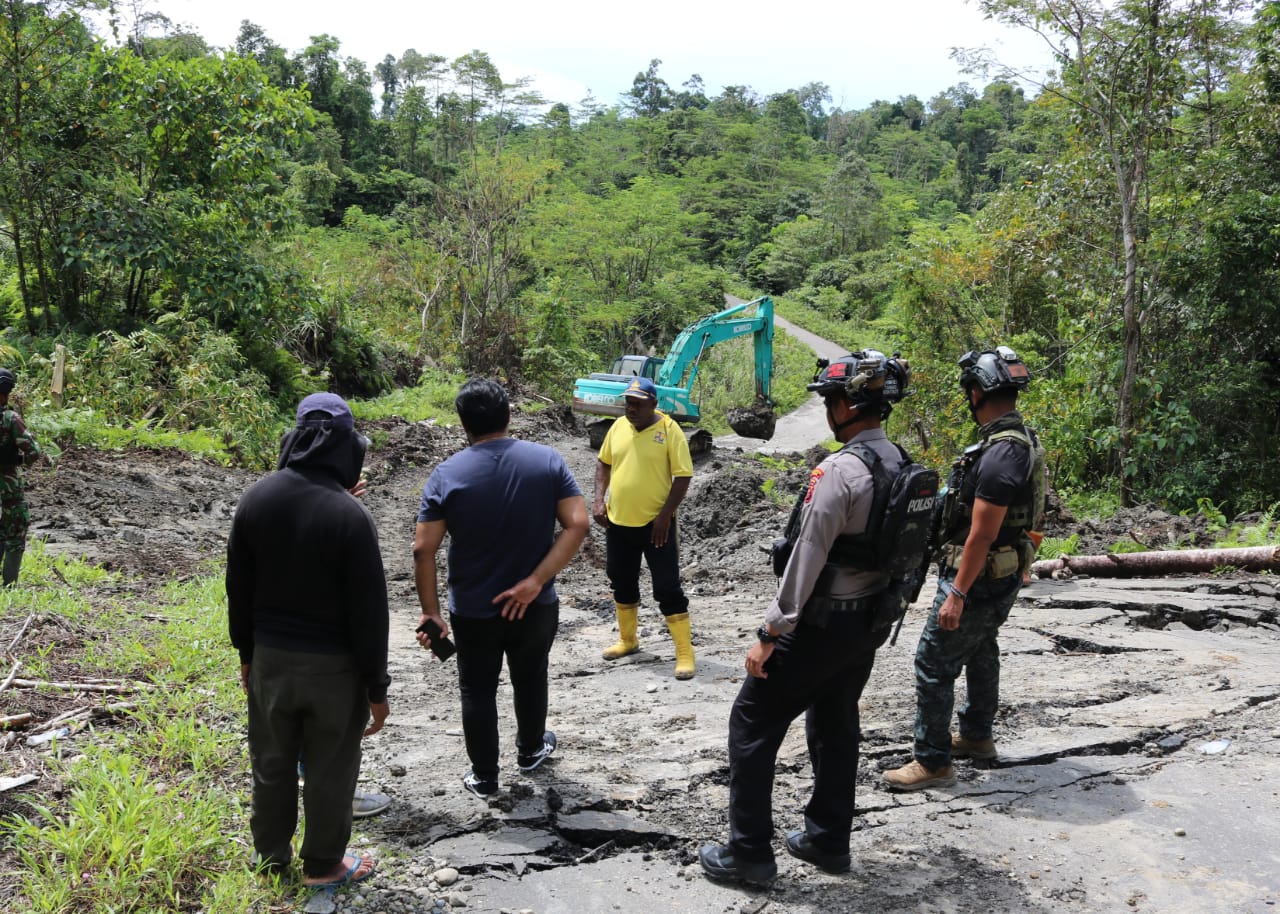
<point>765,638</point>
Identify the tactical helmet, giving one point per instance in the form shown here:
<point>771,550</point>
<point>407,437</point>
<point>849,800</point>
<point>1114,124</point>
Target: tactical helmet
<point>7,380</point>
<point>992,370</point>
<point>863,377</point>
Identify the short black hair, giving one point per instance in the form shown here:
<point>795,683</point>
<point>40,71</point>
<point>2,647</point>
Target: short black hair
<point>483,407</point>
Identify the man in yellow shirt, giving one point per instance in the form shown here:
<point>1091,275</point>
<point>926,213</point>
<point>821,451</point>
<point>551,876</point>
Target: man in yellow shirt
<point>642,475</point>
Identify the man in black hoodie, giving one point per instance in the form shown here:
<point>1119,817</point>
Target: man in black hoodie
<point>307,604</point>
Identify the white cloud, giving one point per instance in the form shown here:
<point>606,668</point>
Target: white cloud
<point>863,51</point>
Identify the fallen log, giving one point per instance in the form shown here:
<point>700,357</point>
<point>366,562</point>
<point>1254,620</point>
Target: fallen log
<point>1155,564</point>
<point>118,687</point>
<point>15,720</point>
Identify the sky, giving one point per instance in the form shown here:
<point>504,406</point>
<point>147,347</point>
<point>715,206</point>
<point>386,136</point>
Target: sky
<point>863,50</point>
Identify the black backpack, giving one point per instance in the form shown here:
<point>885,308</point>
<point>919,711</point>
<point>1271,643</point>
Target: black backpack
<point>900,520</point>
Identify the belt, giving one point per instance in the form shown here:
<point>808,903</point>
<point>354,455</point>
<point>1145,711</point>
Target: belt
<point>1001,561</point>
<point>818,609</point>
<point>827,604</point>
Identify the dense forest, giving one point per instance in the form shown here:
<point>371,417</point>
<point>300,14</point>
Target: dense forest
<point>210,232</point>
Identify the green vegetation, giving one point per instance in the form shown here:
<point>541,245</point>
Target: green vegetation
<point>212,233</point>
<point>1053,547</point>
<point>1121,547</point>
<point>432,398</point>
<point>154,795</point>
<point>1264,532</point>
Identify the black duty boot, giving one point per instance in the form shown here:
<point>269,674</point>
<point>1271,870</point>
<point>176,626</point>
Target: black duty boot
<point>718,862</point>
<point>799,845</point>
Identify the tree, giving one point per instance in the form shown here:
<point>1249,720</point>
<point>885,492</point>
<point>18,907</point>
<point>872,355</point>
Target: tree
<point>478,231</point>
<point>44,130</point>
<point>849,204</point>
<point>649,94</point>
<point>275,64</point>
<point>1122,72</point>
<point>388,73</point>
<point>188,192</point>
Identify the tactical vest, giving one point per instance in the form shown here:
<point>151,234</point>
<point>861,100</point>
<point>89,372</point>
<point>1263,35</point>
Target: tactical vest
<point>1026,514</point>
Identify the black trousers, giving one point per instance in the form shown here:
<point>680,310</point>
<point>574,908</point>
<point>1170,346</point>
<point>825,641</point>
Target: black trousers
<point>482,644</point>
<point>821,673</point>
<point>312,705</point>
<point>624,547</point>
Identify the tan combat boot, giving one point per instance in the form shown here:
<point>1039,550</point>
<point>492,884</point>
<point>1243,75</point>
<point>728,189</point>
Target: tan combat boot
<point>683,637</point>
<point>962,747</point>
<point>628,623</point>
<point>914,776</point>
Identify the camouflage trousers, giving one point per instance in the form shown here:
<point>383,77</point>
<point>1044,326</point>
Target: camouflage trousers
<point>971,648</point>
<point>14,516</point>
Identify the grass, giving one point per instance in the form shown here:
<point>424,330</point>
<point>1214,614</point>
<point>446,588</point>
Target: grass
<point>1091,504</point>
<point>431,399</point>
<point>152,812</point>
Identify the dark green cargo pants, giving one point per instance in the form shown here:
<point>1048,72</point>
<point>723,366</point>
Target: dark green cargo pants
<point>312,705</point>
<point>942,655</point>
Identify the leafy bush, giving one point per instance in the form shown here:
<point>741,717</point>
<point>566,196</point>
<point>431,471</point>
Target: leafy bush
<point>1053,547</point>
<point>1265,532</point>
<point>179,385</point>
<point>1093,504</point>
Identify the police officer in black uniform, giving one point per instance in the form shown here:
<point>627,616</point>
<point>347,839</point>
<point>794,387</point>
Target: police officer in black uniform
<point>995,497</point>
<point>815,650</point>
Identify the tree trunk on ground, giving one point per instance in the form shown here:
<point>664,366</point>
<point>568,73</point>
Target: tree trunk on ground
<point>1155,564</point>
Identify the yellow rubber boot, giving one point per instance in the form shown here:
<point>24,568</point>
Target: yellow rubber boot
<point>680,634</point>
<point>628,621</point>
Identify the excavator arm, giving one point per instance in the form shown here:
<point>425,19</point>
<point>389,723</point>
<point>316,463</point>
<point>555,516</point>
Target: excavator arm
<point>601,393</point>
<point>729,324</point>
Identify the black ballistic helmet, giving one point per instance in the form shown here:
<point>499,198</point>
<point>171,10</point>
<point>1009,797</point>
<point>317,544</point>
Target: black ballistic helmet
<point>7,380</point>
<point>992,370</point>
<point>868,376</point>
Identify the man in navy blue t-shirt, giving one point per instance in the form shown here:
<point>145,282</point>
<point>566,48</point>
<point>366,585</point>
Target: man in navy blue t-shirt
<point>499,501</point>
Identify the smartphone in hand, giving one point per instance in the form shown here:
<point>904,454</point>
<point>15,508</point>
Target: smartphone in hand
<point>441,646</point>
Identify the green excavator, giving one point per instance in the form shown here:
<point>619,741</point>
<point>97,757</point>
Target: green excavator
<point>600,394</point>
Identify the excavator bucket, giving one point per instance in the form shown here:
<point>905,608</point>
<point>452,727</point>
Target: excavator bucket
<point>755,421</point>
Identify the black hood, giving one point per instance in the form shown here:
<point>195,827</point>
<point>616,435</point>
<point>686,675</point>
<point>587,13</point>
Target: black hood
<point>318,447</point>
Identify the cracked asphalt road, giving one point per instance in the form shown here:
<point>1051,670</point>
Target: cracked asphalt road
<point>1105,796</point>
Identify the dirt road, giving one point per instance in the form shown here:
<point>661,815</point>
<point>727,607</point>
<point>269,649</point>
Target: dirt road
<point>1139,737</point>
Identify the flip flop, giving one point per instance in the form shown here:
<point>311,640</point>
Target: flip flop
<point>349,877</point>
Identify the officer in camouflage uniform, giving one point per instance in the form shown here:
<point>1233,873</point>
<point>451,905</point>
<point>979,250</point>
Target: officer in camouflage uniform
<point>994,498</point>
<point>815,651</point>
<point>17,449</point>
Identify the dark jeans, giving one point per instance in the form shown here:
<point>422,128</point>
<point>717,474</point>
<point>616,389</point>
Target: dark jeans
<point>820,672</point>
<point>624,546</point>
<point>304,704</point>
<point>482,643</point>
<point>942,654</point>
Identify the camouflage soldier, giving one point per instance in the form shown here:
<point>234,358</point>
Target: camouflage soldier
<point>994,499</point>
<point>17,449</point>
